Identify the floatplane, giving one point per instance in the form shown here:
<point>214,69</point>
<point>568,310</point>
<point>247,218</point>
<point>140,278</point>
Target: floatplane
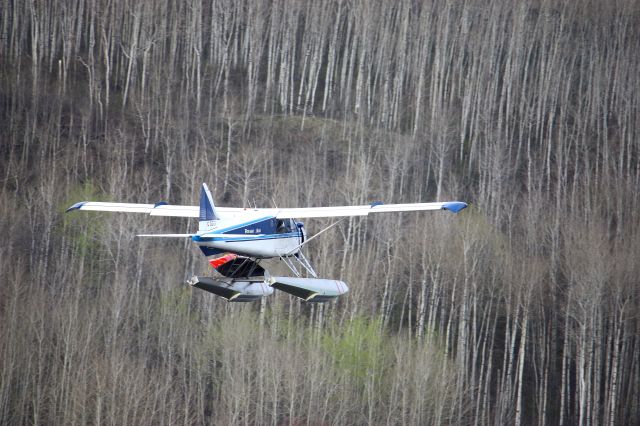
<point>235,240</point>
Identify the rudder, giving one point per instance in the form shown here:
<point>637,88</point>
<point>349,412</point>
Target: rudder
<point>207,208</point>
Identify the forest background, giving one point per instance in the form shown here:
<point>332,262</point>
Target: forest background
<point>522,309</point>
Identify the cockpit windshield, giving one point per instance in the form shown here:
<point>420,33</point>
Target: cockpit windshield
<point>284,226</point>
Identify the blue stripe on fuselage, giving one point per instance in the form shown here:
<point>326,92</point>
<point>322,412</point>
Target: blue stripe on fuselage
<point>265,225</point>
<point>198,238</point>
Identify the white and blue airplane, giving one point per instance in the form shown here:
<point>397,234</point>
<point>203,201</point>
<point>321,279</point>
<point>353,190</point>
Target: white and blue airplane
<point>237,239</point>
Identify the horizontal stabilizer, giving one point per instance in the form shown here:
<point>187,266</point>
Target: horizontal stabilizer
<point>166,235</point>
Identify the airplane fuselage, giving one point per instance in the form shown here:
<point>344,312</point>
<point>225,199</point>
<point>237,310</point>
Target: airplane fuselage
<point>260,237</point>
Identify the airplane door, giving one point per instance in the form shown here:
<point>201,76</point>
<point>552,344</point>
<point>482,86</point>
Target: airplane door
<point>302,234</point>
<point>287,228</point>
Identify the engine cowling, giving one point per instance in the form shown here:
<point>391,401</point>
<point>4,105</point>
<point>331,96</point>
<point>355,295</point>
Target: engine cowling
<point>233,290</point>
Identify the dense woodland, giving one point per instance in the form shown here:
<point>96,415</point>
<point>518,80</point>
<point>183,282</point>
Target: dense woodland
<point>522,309</point>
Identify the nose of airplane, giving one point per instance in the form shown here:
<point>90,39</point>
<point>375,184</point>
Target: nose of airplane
<point>303,233</point>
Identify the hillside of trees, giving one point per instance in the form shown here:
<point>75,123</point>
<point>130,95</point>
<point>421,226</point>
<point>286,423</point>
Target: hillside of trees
<point>523,309</point>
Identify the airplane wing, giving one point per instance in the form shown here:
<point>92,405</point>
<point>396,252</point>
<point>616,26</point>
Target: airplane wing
<point>163,209</point>
<point>364,210</point>
<point>158,209</point>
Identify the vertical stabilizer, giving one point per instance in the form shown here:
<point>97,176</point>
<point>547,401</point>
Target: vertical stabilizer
<point>207,208</point>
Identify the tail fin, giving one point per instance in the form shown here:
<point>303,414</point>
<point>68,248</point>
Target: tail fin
<point>207,208</point>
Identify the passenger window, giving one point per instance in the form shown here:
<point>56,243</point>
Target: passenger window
<point>285,226</point>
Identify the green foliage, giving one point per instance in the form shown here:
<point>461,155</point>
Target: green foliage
<point>176,301</point>
<point>84,231</point>
<point>81,227</point>
<point>358,349</point>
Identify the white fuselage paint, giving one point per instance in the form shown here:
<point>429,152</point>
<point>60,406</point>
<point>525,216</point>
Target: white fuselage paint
<point>250,234</point>
<point>261,246</point>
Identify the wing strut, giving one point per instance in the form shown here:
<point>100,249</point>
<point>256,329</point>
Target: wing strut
<point>301,258</point>
<point>299,246</point>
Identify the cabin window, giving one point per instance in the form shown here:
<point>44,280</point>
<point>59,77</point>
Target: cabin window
<point>284,226</point>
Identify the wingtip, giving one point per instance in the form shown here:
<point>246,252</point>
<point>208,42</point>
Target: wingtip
<point>76,206</point>
<point>454,206</point>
